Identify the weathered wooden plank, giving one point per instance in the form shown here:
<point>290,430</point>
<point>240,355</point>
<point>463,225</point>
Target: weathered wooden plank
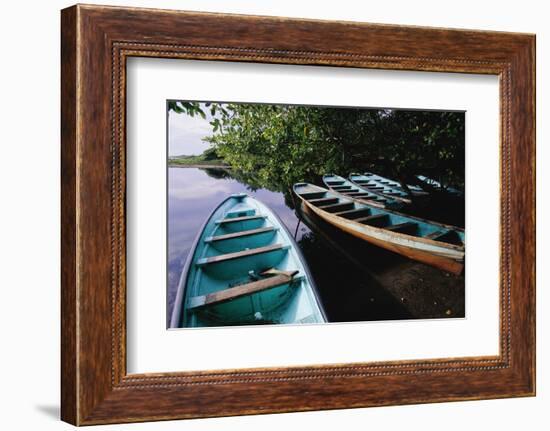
<point>312,195</point>
<point>323,201</point>
<point>403,227</point>
<point>237,219</point>
<point>374,220</point>
<point>240,234</point>
<point>239,254</point>
<point>435,235</point>
<point>357,193</point>
<point>355,213</point>
<point>238,291</point>
<point>338,206</point>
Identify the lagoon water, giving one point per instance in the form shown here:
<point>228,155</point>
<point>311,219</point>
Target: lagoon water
<point>356,281</point>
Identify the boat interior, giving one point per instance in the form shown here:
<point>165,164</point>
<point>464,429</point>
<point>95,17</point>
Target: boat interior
<point>382,185</point>
<point>245,271</point>
<point>347,188</point>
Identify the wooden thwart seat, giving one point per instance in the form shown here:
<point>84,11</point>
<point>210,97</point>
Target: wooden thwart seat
<point>240,234</point>
<point>313,195</point>
<point>355,213</point>
<point>338,206</point>
<point>322,201</point>
<point>435,235</point>
<point>372,198</point>
<point>242,290</point>
<point>356,193</point>
<point>374,220</point>
<point>238,219</point>
<point>240,254</point>
<point>449,236</point>
<point>407,227</point>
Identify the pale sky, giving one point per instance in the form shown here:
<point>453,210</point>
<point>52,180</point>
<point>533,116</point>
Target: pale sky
<point>185,133</point>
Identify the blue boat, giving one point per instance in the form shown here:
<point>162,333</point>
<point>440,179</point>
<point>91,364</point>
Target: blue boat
<point>245,268</point>
<point>345,187</point>
<point>385,186</point>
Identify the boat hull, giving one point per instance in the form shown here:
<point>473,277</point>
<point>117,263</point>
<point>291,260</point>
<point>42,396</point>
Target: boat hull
<point>420,246</point>
<point>227,281</point>
<point>442,258</point>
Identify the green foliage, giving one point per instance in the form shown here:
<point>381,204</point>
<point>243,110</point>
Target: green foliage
<point>430,143</point>
<point>275,146</point>
<point>189,108</point>
<point>210,154</point>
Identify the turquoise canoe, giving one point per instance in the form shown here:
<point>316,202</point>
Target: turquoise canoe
<point>345,187</point>
<point>245,269</point>
<point>426,241</point>
<point>385,186</point>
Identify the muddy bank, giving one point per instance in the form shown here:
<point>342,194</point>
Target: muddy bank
<point>424,291</point>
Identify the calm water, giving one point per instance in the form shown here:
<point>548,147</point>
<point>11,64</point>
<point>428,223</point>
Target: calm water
<point>355,281</point>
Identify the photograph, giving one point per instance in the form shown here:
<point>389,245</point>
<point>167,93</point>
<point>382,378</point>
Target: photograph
<point>298,214</point>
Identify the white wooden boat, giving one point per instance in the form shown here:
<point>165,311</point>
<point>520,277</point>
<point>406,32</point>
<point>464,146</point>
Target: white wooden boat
<point>426,241</point>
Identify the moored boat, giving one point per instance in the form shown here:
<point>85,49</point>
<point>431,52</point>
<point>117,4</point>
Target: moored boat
<point>345,187</point>
<point>386,186</point>
<point>245,268</point>
<point>436,185</point>
<point>426,241</point>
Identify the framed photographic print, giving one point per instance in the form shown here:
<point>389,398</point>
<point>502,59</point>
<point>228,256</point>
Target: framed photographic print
<point>331,214</point>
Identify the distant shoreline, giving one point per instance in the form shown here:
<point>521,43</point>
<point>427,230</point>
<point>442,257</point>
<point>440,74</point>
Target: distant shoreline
<point>177,165</point>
